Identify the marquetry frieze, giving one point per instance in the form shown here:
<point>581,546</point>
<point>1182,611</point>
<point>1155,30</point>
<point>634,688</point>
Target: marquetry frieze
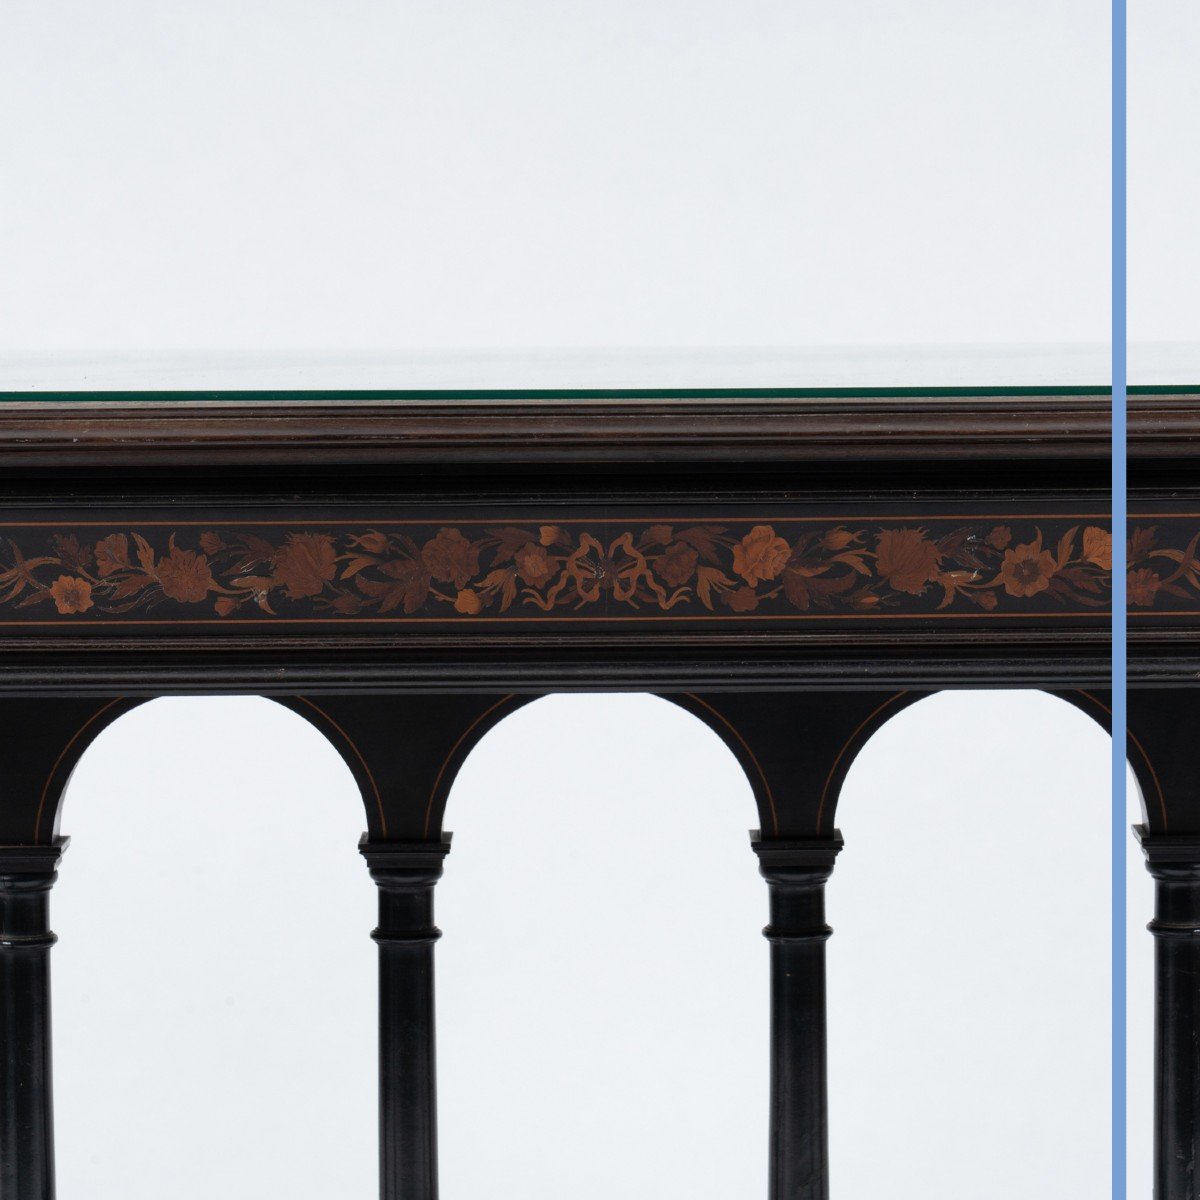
<point>555,569</point>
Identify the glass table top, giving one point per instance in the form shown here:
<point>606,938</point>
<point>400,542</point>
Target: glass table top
<point>120,377</point>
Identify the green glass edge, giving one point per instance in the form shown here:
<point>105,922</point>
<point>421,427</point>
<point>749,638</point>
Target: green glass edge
<point>578,394</point>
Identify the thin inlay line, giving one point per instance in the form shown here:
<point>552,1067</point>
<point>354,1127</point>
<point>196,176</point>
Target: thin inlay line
<point>449,758</point>
<point>527,518</point>
<point>1162,800</point>
<point>37,820</point>
<point>353,746</point>
<point>762,775</point>
<point>846,746</point>
<point>270,622</point>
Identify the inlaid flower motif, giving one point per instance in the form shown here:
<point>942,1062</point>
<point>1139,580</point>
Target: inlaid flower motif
<point>1000,537</point>
<point>907,559</point>
<point>467,601</point>
<point>305,564</point>
<point>1142,586</point>
<point>534,565</point>
<point>1097,547</point>
<point>760,555</point>
<point>742,600</point>
<point>1027,569</point>
<point>677,564</point>
<point>184,574</point>
<point>71,554</point>
<point>71,595</point>
<point>451,558</point>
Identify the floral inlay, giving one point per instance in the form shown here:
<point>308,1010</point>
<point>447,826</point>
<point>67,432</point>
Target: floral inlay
<point>789,567</point>
<point>1161,574</point>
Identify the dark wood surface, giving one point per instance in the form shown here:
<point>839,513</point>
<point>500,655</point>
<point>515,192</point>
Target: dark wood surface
<point>330,428</point>
<point>64,430</point>
<point>958,465</point>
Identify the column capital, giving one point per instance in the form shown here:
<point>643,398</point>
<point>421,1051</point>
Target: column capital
<point>405,866</point>
<point>405,874</point>
<point>796,860</point>
<point>796,871</point>
<point>1174,861</point>
<point>1170,855</point>
<point>31,867</point>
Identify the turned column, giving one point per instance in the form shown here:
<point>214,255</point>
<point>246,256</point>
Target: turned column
<point>405,873</point>
<point>27,874</point>
<point>796,871</point>
<point>1174,861</point>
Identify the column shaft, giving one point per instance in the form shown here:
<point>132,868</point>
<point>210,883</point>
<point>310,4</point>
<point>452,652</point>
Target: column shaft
<point>796,873</point>
<point>1175,864</point>
<point>405,873</point>
<point>27,874</point>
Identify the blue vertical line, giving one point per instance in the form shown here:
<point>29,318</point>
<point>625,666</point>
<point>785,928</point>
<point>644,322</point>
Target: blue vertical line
<point>1120,832</point>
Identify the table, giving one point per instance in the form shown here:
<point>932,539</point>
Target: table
<point>768,559</point>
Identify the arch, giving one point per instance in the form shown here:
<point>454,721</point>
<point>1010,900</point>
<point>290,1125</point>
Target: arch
<point>51,736</point>
<point>1151,797</point>
<point>796,779</point>
<point>1160,748</point>
<point>1095,706</point>
<point>1152,800</point>
<point>44,741</point>
<point>404,751</point>
<point>795,748</point>
<point>351,754</point>
<point>497,712</point>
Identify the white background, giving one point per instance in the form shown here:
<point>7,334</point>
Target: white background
<point>308,174</point>
<point>398,177</point>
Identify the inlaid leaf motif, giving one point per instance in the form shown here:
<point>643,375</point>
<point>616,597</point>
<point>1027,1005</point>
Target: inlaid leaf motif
<point>112,553</point>
<point>795,587</point>
<point>703,539</point>
<point>708,579</point>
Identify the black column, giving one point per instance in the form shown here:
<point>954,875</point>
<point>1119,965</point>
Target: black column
<point>405,873</point>
<point>27,874</point>
<point>796,872</point>
<point>1174,861</point>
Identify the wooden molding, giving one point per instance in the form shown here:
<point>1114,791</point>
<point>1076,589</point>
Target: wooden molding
<point>375,429</point>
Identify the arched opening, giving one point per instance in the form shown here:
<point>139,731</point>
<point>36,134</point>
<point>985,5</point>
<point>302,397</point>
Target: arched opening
<point>214,981</point>
<point>603,993</point>
<point>969,973</point>
<point>603,990</point>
